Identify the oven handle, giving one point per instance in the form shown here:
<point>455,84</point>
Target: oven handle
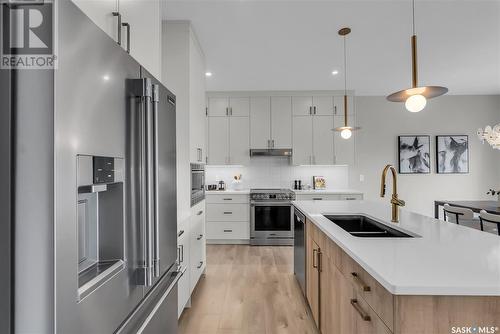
<point>253,204</point>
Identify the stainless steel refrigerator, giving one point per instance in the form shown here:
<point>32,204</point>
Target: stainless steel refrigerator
<point>88,191</point>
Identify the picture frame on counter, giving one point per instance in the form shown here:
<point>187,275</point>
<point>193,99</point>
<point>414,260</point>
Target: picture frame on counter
<point>452,154</point>
<point>414,154</point>
<point>319,183</point>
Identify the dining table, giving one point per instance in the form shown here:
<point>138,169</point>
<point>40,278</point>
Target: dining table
<point>476,206</point>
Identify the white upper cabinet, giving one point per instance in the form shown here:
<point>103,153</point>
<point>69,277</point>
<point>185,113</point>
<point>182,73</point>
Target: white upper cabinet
<point>260,125</point>
<point>218,140</point>
<point>303,123</point>
<point>144,26</point>
<point>224,106</point>
<point>197,101</point>
<point>270,122</point>
<point>101,13</point>
<point>228,140</point>
<point>239,106</point>
<point>239,141</point>
<point>138,21</point>
<point>323,105</point>
<point>281,121</point>
<point>312,105</point>
<point>218,106</point>
<point>323,147</point>
<point>302,140</point>
<point>302,105</point>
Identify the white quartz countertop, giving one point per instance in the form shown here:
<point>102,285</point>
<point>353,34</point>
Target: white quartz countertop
<point>328,191</point>
<point>229,191</point>
<point>447,259</point>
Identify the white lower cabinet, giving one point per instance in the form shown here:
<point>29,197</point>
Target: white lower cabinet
<point>228,230</point>
<point>184,284</point>
<point>328,197</point>
<point>191,247</point>
<point>197,244</point>
<point>228,218</point>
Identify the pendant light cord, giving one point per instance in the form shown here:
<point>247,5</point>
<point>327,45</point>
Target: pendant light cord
<point>345,67</point>
<point>413,16</point>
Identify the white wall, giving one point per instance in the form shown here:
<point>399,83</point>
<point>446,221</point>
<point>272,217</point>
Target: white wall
<point>376,145</point>
<point>276,172</point>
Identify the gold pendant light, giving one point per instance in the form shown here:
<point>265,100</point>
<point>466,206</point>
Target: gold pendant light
<point>345,131</point>
<point>415,98</point>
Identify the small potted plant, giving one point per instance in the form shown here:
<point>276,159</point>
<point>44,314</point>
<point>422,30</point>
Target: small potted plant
<point>495,193</point>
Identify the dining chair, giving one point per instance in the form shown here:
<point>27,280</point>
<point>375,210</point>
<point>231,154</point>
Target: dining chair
<point>461,216</point>
<point>489,218</point>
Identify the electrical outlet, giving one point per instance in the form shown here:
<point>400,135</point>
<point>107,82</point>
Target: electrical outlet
<point>361,178</point>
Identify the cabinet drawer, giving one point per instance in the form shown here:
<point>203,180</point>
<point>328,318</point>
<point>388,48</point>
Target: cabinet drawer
<point>380,300</point>
<point>228,230</point>
<point>366,321</point>
<point>352,197</point>
<point>228,212</point>
<point>227,198</point>
<point>317,197</point>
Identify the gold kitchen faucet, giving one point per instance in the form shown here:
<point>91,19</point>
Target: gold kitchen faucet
<point>395,201</point>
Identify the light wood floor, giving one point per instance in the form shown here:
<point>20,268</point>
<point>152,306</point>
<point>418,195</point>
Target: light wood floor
<point>248,290</point>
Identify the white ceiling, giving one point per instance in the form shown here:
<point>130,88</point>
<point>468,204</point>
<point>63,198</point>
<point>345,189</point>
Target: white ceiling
<point>293,45</point>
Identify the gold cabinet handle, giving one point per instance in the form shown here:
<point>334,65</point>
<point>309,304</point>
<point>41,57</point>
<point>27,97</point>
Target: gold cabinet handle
<point>315,265</point>
<point>362,313</point>
<point>320,261</point>
<point>360,282</point>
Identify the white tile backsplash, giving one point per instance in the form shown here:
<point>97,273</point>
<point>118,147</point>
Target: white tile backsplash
<point>277,172</point>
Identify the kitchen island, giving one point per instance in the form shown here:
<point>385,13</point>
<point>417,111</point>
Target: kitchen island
<point>442,278</point>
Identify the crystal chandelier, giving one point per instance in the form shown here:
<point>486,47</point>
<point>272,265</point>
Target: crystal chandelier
<point>491,135</point>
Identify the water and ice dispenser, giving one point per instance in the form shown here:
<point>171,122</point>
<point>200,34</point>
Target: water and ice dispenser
<point>100,203</point>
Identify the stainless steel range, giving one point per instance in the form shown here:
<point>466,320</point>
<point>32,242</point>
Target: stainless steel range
<point>271,217</point>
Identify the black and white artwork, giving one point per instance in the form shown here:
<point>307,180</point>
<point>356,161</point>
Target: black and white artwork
<point>414,154</point>
<point>452,154</point>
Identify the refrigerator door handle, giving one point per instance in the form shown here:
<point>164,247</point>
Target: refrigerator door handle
<point>150,195</point>
<point>156,232</point>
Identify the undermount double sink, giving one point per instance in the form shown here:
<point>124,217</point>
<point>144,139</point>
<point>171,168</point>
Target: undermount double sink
<point>365,227</point>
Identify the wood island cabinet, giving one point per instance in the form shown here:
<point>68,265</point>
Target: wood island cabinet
<point>345,299</point>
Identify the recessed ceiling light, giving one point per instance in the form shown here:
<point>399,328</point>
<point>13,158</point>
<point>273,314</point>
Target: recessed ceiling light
<point>208,74</point>
<point>335,72</point>
<point>105,77</point>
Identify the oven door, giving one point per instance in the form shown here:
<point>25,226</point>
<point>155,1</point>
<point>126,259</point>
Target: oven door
<point>271,221</point>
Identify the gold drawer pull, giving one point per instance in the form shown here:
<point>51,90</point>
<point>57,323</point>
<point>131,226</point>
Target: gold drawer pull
<point>362,284</point>
<point>364,316</point>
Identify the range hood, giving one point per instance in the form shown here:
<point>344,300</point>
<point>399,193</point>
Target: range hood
<point>271,152</point>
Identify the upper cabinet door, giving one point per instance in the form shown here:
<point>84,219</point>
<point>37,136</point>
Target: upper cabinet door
<point>218,106</point>
<point>281,122</point>
<point>260,118</point>
<point>344,148</point>
<point>323,105</point>
<point>144,18</point>
<point>218,133</point>
<point>239,140</point>
<point>302,140</point>
<point>101,13</point>
<point>323,140</point>
<point>338,108</point>
<point>240,106</point>
<point>302,105</point>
